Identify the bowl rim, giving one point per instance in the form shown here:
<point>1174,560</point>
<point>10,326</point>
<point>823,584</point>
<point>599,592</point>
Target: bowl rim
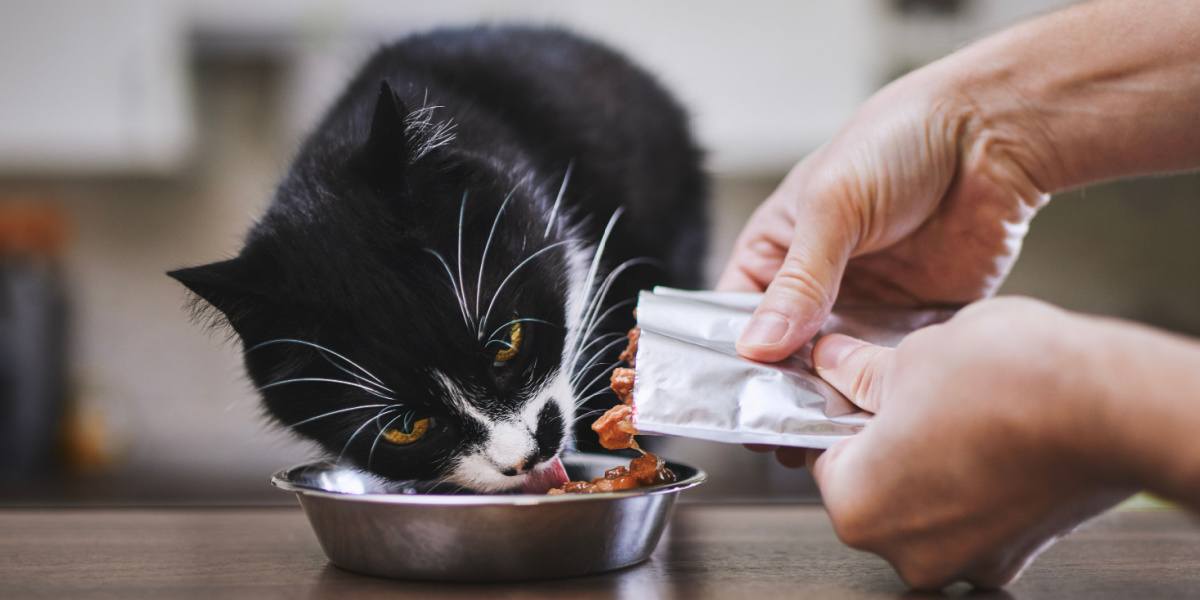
<point>281,480</point>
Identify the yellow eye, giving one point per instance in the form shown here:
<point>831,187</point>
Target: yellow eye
<point>513,346</point>
<point>419,428</point>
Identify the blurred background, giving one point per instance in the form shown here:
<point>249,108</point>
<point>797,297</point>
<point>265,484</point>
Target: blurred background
<point>142,135</point>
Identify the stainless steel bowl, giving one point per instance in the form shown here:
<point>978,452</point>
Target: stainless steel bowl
<point>371,526</point>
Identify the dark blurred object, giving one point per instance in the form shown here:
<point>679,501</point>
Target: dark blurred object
<point>32,339</point>
<point>940,8</point>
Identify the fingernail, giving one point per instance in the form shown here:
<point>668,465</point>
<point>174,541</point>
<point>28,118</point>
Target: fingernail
<point>832,350</point>
<point>765,329</point>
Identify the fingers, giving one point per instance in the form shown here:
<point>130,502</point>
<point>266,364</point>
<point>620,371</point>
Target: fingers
<point>759,250</point>
<point>853,367</point>
<point>801,295</point>
<point>792,458</point>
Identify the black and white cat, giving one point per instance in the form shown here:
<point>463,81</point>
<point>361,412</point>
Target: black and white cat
<point>444,276</point>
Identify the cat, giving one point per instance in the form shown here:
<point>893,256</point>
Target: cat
<point>444,274</point>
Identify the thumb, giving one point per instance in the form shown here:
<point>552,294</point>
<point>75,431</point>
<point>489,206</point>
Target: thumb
<point>853,367</point>
<point>801,295</point>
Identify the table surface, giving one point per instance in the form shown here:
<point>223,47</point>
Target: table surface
<point>710,551</point>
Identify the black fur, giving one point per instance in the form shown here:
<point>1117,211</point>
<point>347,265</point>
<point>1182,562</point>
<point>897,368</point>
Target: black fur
<point>343,255</point>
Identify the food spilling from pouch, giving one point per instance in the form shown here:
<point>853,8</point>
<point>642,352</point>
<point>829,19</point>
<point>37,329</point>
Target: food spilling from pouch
<point>616,431</point>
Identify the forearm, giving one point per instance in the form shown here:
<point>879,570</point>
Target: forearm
<point>1097,91</point>
<point>1147,406</point>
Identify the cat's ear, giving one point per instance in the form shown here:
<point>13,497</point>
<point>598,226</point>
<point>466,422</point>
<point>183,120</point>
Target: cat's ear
<point>229,286</point>
<point>385,154</point>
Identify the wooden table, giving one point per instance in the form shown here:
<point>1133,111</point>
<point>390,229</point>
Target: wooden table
<point>736,552</point>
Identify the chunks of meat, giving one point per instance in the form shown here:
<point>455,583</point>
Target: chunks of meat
<point>622,384</point>
<point>616,431</point>
<point>629,354</point>
<point>644,470</point>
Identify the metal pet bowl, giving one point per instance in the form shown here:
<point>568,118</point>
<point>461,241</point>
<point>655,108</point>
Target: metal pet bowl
<point>372,526</point>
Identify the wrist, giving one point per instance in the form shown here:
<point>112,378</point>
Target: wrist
<point>1066,115</point>
<point>1000,127</point>
<point>1145,388</point>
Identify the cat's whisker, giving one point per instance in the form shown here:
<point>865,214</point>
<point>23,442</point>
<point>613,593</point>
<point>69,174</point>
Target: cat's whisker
<point>585,399</point>
<point>462,303</point>
<point>325,380</point>
<point>558,199</point>
<point>525,320</point>
<point>590,413</point>
<point>356,376</point>
<point>495,341</point>
<point>591,322</point>
<point>378,436</point>
<point>591,362</point>
<point>591,276</point>
<point>350,441</point>
<point>491,305</point>
<point>487,246</point>
<point>596,322</point>
<point>598,339</point>
<point>462,210</point>
<point>603,373</point>
<point>336,412</point>
<point>323,349</point>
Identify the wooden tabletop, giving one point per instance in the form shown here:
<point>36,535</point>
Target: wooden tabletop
<point>733,552</point>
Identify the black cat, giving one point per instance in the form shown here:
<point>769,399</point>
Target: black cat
<point>421,297</point>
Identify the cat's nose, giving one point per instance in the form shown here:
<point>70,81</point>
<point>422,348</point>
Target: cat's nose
<point>522,465</point>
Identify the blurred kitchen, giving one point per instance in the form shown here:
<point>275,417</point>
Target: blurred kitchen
<point>141,135</point>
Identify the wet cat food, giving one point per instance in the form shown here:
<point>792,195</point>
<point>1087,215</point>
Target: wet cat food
<point>616,431</point>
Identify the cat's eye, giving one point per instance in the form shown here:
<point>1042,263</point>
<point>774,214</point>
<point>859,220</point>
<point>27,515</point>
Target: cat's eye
<point>398,436</point>
<point>512,346</point>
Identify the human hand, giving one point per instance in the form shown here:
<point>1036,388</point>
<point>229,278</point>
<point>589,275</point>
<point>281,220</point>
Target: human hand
<point>988,443</point>
<point>917,201</point>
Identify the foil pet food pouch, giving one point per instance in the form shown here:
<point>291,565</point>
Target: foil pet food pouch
<point>692,383</point>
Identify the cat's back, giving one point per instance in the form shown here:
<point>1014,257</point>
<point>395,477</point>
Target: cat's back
<point>562,96</point>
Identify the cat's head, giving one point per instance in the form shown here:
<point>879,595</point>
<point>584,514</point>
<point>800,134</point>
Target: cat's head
<point>412,309</point>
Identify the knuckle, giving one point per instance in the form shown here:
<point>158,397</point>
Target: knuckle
<point>866,384</point>
<point>924,575</point>
<point>853,527</point>
<point>796,280</point>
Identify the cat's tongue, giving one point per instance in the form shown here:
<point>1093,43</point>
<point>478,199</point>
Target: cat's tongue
<point>550,475</point>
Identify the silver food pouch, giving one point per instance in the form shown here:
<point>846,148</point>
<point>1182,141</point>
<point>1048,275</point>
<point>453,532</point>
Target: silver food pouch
<point>691,382</point>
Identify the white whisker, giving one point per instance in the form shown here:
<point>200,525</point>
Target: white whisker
<point>381,412</point>
<point>558,199</point>
<point>610,366</point>
<point>462,209</point>
<point>589,320</point>
<point>487,246</point>
<point>590,329</point>
<point>462,304</point>
<point>373,378</point>
<point>591,276</point>
<point>599,353</point>
<point>596,394</point>
<point>525,320</point>
<point>324,380</point>
<point>598,339</point>
<point>371,455</point>
<point>356,376</point>
<point>496,294</point>
<point>336,412</point>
